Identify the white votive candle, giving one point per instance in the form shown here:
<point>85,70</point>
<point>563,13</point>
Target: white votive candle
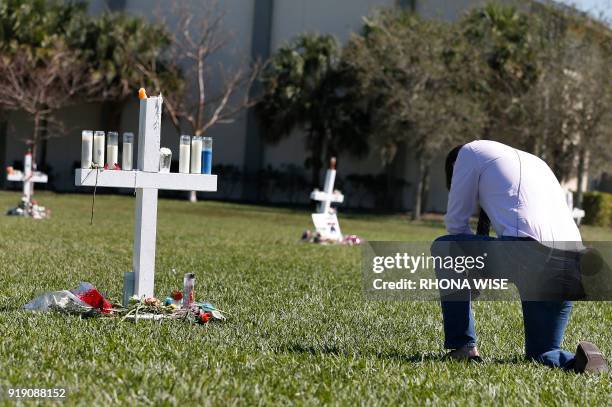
<point>98,150</point>
<point>127,153</point>
<point>112,149</point>
<point>184,153</point>
<point>196,154</point>
<point>86,148</point>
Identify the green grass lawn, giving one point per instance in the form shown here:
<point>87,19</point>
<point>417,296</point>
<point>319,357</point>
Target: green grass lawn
<point>300,329</point>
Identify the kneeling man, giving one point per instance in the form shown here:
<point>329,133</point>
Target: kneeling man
<point>520,197</point>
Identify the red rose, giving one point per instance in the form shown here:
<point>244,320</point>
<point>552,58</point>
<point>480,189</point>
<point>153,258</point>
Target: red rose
<point>93,298</point>
<point>176,295</point>
<point>205,317</point>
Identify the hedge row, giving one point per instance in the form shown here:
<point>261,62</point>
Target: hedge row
<point>598,208</point>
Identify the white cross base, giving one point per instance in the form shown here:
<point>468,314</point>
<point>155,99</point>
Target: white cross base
<point>146,179</point>
<point>327,225</point>
<point>28,177</point>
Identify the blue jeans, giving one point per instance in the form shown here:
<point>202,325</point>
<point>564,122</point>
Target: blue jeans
<point>544,322</point>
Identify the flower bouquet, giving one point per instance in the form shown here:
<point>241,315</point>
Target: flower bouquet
<point>154,309</point>
<point>315,237</point>
<point>87,301</point>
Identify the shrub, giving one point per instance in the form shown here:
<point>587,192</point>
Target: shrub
<point>598,208</point>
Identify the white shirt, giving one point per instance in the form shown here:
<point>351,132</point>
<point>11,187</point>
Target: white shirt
<point>516,189</point>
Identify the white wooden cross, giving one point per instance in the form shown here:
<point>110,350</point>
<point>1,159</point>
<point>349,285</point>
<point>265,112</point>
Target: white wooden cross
<point>28,177</point>
<point>577,213</point>
<point>328,195</point>
<point>325,220</point>
<point>146,179</point>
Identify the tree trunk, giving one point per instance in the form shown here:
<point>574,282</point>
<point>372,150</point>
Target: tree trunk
<point>389,196</point>
<point>582,169</point>
<point>488,122</point>
<point>545,130</point>
<point>3,136</point>
<point>418,195</point>
<point>43,143</point>
<point>425,190</point>
<point>33,142</point>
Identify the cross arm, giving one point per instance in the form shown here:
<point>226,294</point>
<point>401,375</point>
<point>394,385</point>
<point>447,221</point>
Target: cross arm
<point>142,179</point>
<point>324,196</point>
<point>20,177</point>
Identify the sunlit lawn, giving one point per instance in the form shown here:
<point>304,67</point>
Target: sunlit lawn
<point>299,329</point>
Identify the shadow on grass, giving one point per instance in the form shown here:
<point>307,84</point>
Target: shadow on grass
<point>391,355</point>
<point>334,350</point>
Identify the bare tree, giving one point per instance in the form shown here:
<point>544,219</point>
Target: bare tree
<point>195,42</point>
<point>566,113</point>
<point>41,84</point>
<point>587,109</point>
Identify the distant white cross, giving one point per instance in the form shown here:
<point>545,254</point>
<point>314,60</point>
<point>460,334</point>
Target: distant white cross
<point>328,195</point>
<point>28,177</point>
<point>577,213</point>
<point>146,179</point>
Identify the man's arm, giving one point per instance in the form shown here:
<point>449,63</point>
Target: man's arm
<point>463,195</point>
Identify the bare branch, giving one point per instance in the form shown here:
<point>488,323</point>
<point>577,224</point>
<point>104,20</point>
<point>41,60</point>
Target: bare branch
<point>194,42</point>
<point>42,85</point>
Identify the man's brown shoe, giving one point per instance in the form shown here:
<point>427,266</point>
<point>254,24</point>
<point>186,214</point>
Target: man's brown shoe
<point>466,353</point>
<point>589,359</point>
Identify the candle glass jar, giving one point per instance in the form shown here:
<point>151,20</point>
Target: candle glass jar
<point>196,154</point>
<point>165,159</point>
<point>98,149</point>
<point>206,155</point>
<point>188,289</point>
<point>86,148</point>
<point>127,153</point>
<point>184,154</point>
<point>112,149</point>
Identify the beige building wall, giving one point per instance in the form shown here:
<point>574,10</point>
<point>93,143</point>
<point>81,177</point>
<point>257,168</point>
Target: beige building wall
<point>340,18</point>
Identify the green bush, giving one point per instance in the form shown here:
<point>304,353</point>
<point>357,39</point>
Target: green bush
<point>598,208</point>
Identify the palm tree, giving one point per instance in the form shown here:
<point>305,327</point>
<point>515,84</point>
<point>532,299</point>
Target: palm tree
<point>305,86</point>
<point>501,35</point>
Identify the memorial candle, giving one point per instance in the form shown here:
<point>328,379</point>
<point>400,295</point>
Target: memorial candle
<point>112,149</point>
<point>86,148</point>
<point>165,159</point>
<point>127,153</point>
<point>196,154</point>
<point>206,155</point>
<point>98,151</point>
<point>188,289</point>
<point>184,153</point>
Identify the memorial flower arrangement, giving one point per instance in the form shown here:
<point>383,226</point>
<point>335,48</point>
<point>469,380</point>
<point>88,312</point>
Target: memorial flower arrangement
<point>315,237</point>
<point>31,209</point>
<point>170,308</point>
<point>87,301</point>
<point>27,207</point>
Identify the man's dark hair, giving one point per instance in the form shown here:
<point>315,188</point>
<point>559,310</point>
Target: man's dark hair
<point>450,162</point>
